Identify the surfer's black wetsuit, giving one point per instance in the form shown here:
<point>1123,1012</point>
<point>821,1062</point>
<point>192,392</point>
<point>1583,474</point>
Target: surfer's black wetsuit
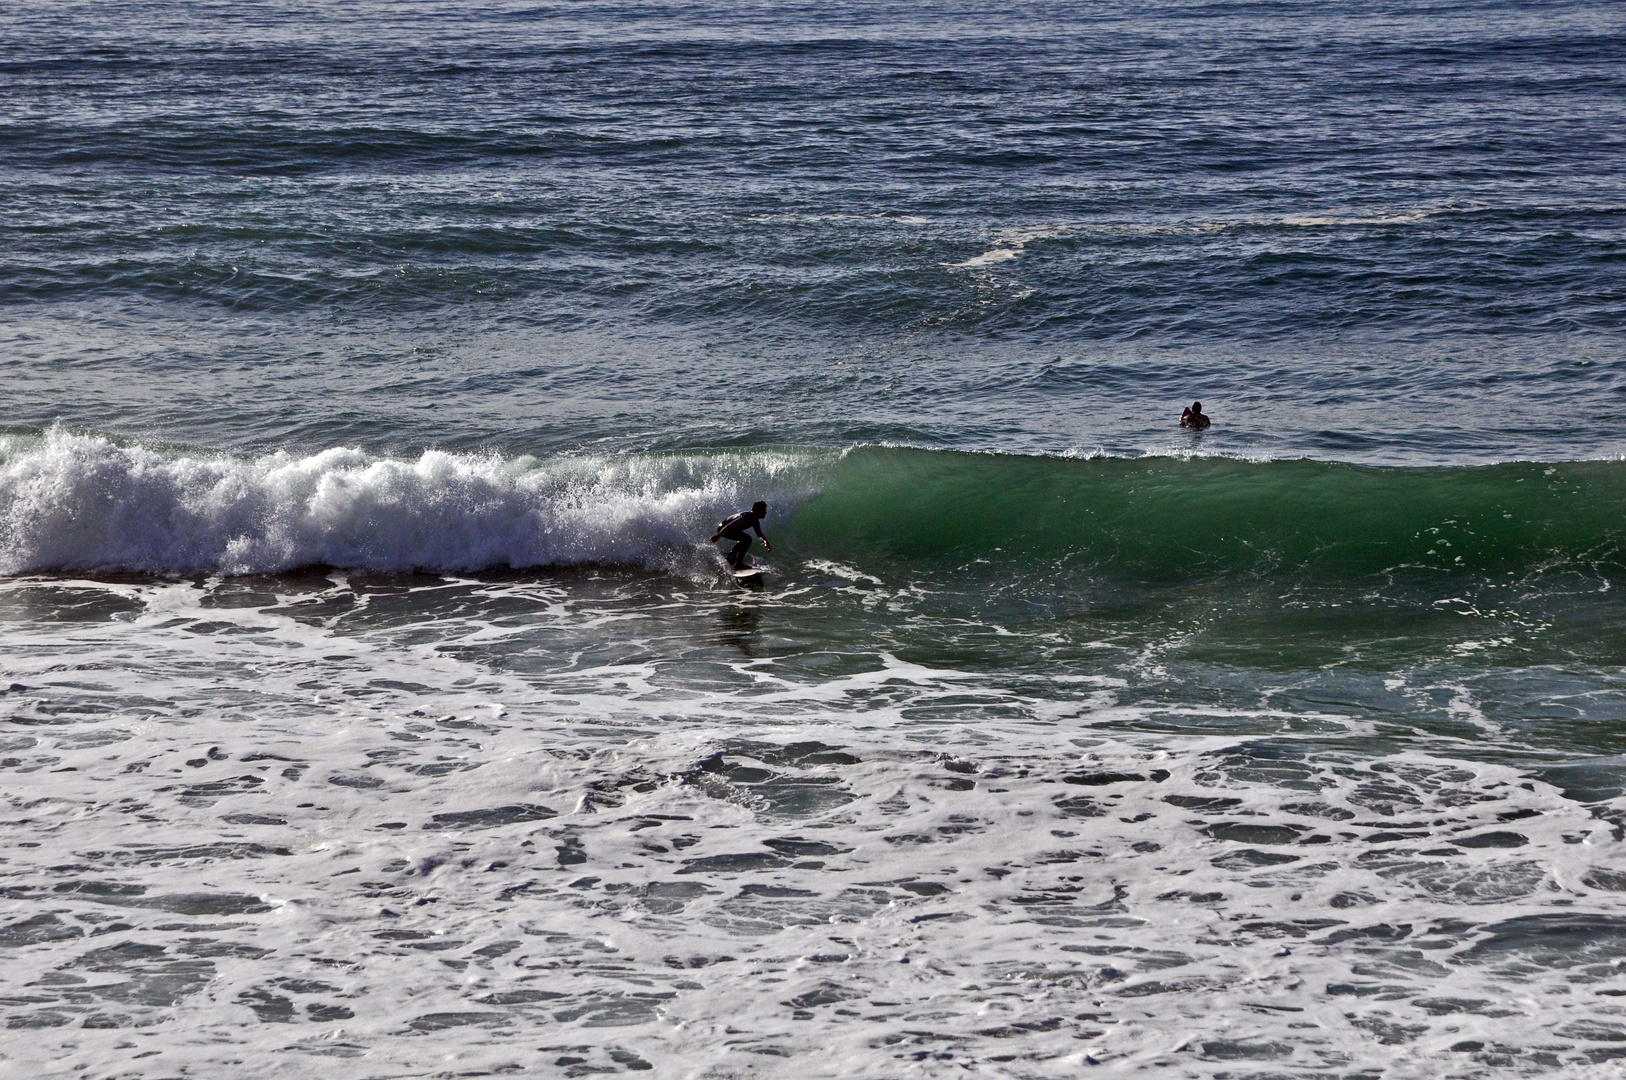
<point>738,529</point>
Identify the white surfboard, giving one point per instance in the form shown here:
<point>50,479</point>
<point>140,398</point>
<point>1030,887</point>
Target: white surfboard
<point>749,575</point>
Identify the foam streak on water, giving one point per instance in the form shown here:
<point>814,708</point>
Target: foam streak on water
<point>355,820</point>
<point>373,705</point>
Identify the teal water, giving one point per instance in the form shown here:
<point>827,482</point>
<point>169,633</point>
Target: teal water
<point>373,375</point>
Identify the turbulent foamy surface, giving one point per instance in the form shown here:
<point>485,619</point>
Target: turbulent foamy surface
<point>77,502</point>
<point>450,826</point>
<point>372,706</point>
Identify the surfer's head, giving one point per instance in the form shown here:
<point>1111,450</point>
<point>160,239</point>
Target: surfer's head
<point>1196,408</point>
<point>759,508</point>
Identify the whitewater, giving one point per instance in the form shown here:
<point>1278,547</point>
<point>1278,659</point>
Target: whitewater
<point>78,502</point>
<point>372,704</point>
<point>72,501</point>
<point>480,760</point>
<point>286,822</point>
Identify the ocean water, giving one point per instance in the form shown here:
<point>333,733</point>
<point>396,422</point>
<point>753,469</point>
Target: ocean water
<point>371,376</point>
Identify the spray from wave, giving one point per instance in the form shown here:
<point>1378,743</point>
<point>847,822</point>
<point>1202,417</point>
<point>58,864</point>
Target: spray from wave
<point>78,502</point>
<point>72,502</point>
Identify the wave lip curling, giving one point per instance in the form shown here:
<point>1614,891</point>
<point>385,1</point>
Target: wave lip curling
<point>78,502</point>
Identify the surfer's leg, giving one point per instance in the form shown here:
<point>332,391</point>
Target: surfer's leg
<point>736,558</point>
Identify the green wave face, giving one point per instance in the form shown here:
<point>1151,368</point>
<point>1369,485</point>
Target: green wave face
<point>1173,519</point>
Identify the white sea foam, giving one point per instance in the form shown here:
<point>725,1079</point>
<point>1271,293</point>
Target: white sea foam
<point>280,826</point>
<point>989,258</point>
<point>1010,243</point>
<point>76,502</point>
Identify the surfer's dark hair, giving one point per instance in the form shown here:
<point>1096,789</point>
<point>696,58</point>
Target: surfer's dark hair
<point>759,508</point>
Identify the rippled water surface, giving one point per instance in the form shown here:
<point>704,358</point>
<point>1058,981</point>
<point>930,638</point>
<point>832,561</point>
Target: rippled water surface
<point>1358,231</point>
<point>371,704</point>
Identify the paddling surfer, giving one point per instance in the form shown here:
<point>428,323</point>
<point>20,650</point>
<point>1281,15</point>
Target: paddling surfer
<point>739,529</point>
<point>1193,417</point>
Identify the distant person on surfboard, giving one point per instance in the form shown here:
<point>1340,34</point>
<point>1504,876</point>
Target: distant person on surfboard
<point>739,529</point>
<point>1193,417</point>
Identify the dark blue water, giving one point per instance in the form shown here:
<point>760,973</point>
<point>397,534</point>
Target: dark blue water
<point>1357,231</point>
<point>372,703</point>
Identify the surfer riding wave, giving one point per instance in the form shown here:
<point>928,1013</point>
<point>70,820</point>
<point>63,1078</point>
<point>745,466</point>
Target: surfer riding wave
<point>738,529</point>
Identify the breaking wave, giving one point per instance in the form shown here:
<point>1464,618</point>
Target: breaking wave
<point>78,502</point>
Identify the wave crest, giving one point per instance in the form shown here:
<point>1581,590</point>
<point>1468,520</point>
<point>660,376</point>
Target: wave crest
<point>78,502</point>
